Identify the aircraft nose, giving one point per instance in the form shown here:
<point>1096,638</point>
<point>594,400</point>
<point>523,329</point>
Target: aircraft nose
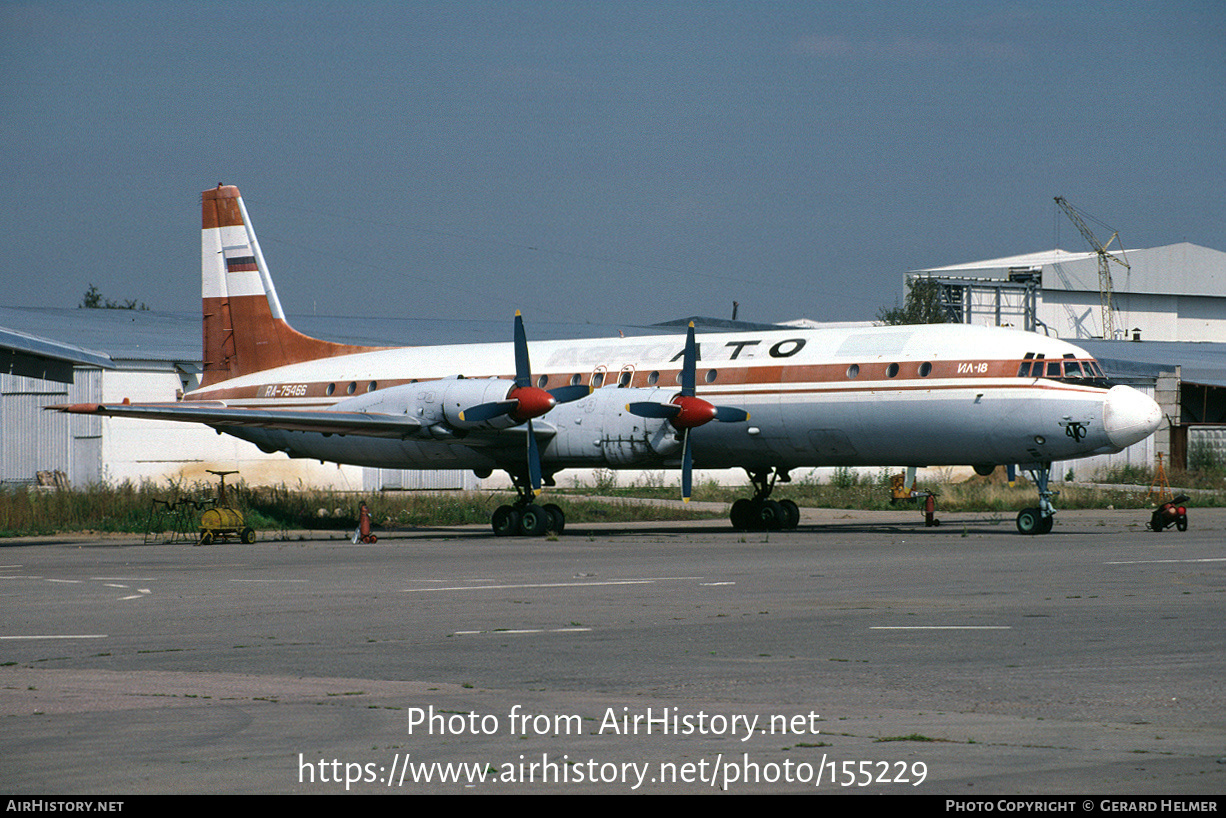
<point>1129,416</point>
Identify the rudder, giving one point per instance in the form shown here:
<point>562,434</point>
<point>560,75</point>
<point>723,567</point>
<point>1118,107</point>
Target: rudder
<point>244,327</point>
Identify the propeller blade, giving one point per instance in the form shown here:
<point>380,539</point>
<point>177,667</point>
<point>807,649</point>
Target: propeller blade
<point>730,414</point>
<point>523,370</point>
<point>566,394</point>
<point>534,461</point>
<point>485,411</point>
<point>689,363</point>
<point>654,410</point>
<point>687,466</point>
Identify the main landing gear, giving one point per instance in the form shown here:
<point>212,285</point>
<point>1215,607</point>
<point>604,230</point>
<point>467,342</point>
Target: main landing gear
<point>524,517</point>
<point>1038,520</point>
<point>760,513</point>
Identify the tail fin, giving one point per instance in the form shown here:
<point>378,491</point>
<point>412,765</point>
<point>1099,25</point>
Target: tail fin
<point>245,329</point>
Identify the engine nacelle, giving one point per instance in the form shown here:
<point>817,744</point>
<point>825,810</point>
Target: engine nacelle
<point>598,431</point>
<point>435,403</point>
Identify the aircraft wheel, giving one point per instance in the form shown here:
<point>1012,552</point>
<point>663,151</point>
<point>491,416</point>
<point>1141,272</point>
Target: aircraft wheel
<point>1046,524</point>
<point>1029,520</point>
<point>247,535</point>
<point>742,514</point>
<point>557,518</point>
<point>505,521</point>
<point>791,513</point>
<point>534,521</point>
<point>770,515</point>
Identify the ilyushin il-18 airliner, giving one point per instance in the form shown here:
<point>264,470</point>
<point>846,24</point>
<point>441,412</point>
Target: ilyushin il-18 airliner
<point>769,402</point>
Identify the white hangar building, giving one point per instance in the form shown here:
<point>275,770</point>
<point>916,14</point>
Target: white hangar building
<point>1176,292</point>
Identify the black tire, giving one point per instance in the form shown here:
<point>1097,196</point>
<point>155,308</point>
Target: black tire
<point>534,521</point>
<point>1182,523</point>
<point>247,535</point>
<point>741,514</point>
<point>557,518</point>
<point>505,521</point>
<point>1046,525</point>
<point>791,514</point>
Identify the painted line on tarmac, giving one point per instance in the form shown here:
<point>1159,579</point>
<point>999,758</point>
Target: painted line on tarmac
<point>1160,562</point>
<point>530,585</point>
<point>592,583</point>
<point>501,631</point>
<point>60,636</point>
<point>941,628</point>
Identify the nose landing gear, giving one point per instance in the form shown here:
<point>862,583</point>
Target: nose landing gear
<point>1038,520</point>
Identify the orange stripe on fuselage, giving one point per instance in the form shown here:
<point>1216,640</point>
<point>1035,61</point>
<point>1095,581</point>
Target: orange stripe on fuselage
<point>781,380</point>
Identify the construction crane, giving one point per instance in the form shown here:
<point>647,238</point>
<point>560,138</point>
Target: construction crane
<point>1104,267</point>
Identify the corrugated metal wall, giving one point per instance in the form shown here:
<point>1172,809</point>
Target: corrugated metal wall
<point>86,430</point>
<point>33,440</point>
<point>414,480</point>
<point>1206,446</point>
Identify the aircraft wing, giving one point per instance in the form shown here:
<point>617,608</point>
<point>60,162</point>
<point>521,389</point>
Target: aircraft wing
<point>220,416</point>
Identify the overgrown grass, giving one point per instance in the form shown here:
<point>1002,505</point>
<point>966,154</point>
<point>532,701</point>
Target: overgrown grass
<point>129,508</point>
<point>1203,472</point>
<point>848,489</point>
<point>99,508</point>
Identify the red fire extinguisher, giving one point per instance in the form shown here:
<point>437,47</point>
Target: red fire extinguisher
<point>363,533</point>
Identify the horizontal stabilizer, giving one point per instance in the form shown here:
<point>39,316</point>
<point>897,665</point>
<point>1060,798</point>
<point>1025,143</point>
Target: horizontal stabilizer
<point>218,415</point>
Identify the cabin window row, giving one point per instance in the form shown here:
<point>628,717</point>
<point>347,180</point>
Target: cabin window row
<point>624,378</point>
<point>891,371</point>
<point>352,388</point>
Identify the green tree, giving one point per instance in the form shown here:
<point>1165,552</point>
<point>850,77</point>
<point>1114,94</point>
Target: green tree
<point>93,300</point>
<point>921,306</point>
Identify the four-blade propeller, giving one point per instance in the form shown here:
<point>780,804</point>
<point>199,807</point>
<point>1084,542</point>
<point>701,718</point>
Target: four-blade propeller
<point>525,402</point>
<point>687,411</point>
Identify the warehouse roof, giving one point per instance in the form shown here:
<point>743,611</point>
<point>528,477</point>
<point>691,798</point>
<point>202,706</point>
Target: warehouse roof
<point>1183,269</point>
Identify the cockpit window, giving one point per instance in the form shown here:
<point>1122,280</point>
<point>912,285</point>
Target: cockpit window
<point>1068,369</point>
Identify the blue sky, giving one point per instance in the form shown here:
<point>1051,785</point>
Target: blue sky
<point>612,162</point>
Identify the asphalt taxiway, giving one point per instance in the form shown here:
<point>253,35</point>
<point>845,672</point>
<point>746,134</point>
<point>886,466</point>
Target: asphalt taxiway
<point>861,653</point>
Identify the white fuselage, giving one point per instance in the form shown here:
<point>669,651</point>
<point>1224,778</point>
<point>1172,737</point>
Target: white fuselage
<point>913,395</point>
